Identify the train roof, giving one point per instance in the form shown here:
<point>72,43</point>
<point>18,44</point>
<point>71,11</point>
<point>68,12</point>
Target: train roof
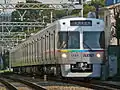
<point>81,18</point>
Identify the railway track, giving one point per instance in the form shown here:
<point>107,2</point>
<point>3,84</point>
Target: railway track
<point>92,84</point>
<point>19,84</point>
<point>97,85</point>
<point>51,84</point>
<point>2,86</point>
<point>67,84</point>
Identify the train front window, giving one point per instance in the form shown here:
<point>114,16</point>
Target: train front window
<point>93,40</point>
<point>69,40</point>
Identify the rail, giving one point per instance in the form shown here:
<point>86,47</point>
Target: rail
<point>8,85</point>
<point>30,84</point>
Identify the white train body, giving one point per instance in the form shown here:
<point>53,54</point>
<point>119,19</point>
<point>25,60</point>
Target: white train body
<point>72,47</point>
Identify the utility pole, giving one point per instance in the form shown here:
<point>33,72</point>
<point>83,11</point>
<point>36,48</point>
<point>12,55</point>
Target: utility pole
<point>82,8</point>
<point>81,11</point>
<point>51,16</point>
<point>97,9</point>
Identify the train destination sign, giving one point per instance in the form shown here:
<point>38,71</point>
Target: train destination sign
<point>81,23</point>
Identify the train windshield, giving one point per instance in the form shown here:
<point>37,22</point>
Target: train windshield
<point>93,40</point>
<point>69,40</point>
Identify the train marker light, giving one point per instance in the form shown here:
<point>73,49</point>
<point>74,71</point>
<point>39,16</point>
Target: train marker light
<point>64,55</point>
<point>98,55</point>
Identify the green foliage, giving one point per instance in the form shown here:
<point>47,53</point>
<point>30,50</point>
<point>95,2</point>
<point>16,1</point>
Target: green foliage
<point>59,13</point>
<point>92,6</point>
<point>75,12</point>
<point>88,8</point>
<point>101,3</point>
<point>37,15</point>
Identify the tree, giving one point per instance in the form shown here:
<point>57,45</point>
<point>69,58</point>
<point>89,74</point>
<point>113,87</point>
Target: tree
<point>97,4</point>
<point>87,9</point>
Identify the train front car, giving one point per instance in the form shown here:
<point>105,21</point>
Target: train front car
<point>81,47</point>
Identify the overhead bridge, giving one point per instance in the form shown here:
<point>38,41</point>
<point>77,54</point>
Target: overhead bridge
<point>40,6</point>
<point>23,24</point>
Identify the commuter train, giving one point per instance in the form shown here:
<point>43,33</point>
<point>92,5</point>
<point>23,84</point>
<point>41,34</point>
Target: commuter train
<point>69,47</point>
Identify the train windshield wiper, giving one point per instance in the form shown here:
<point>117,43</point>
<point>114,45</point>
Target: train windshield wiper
<point>63,45</point>
<point>87,45</point>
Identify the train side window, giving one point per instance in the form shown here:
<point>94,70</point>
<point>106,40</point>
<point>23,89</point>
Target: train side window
<point>35,50</point>
<point>38,49</point>
<point>42,48</point>
<point>33,54</point>
<point>54,43</point>
<point>32,51</point>
<point>49,47</point>
<point>24,54</point>
<point>47,42</point>
<point>45,46</point>
<point>28,53</point>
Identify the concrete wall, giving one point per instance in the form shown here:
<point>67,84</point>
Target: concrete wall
<point>109,28</point>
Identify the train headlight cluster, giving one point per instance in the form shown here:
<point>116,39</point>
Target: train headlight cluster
<point>64,55</point>
<point>98,55</point>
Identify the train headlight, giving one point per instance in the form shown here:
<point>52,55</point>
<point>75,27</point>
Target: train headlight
<point>64,55</point>
<point>98,55</point>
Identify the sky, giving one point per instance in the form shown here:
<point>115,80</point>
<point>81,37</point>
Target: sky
<point>11,1</point>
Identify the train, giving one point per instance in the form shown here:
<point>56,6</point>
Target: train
<point>69,47</point>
